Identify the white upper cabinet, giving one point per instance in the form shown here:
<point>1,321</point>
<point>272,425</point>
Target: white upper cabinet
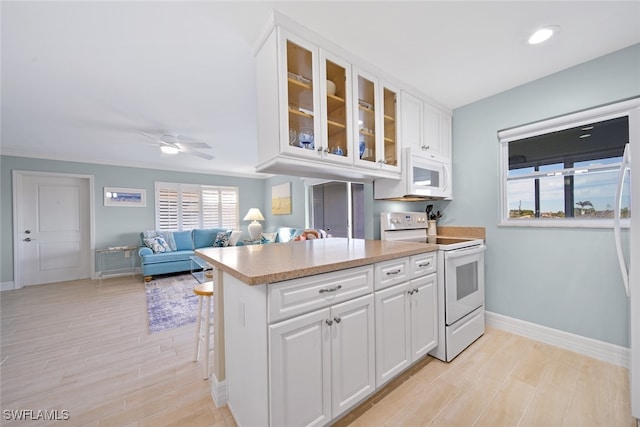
<point>377,114</point>
<point>336,142</point>
<point>313,112</point>
<point>301,122</point>
<point>425,129</point>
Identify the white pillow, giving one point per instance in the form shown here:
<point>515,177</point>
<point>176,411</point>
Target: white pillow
<point>235,236</point>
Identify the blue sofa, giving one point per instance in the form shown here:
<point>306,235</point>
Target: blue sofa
<point>164,252</point>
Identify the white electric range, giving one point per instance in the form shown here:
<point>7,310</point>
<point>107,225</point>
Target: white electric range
<point>460,273</point>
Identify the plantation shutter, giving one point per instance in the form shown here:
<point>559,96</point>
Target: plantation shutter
<point>229,208</point>
<point>210,201</point>
<point>167,215</point>
<point>189,206</point>
<point>190,202</point>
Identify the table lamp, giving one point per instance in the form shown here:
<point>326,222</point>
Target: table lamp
<point>255,228</point>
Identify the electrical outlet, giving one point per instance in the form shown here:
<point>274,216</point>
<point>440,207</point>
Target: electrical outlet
<point>127,254</point>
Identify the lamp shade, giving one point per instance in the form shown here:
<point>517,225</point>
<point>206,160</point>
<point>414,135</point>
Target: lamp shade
<point>254,214</point>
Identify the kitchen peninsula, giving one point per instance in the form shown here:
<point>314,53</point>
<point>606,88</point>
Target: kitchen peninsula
<point>298,339</point>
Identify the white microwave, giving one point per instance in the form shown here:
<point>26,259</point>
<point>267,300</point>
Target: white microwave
<point>422,178</point>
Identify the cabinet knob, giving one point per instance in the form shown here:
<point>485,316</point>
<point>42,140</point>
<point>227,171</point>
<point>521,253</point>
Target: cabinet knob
<point>337,319</point>
<point>329,322</point>
<point>425,147</point>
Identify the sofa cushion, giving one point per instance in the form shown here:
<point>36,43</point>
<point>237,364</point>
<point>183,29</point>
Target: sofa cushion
<point>157,244</point>
<point>204,237</point>
<point>166,235</point>
<point>183,240</point>
<point>222,239</point>
<point>168,257</point>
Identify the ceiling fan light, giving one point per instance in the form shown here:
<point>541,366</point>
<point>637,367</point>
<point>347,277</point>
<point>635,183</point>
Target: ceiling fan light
<point>167,149</point>
<point>543,34</point>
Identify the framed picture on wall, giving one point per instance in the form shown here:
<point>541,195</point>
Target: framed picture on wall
<point>281,199</point>
<point>126,197</point>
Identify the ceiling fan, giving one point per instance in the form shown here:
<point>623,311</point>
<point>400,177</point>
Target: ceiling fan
<point>170,143</point>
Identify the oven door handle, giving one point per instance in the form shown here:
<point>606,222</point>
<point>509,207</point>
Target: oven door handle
<point>457,253</point>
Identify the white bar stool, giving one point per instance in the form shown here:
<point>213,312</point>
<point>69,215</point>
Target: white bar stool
<point>203,334</point>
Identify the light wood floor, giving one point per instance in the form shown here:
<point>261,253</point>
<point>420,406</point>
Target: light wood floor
<point>84,347</point>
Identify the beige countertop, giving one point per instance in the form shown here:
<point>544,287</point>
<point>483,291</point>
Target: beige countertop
<point>270,263</point>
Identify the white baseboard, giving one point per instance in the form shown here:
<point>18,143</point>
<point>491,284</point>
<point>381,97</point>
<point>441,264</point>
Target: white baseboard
<point>6,286</point>
<point>590,347</point>
<point>218,391</point>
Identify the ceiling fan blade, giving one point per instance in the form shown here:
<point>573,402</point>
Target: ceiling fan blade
<point>148,135</point>
<point>201,145</point>
<point>196,153</point>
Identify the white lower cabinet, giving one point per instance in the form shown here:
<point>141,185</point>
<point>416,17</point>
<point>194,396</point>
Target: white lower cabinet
<point>321,363</point>
<point>406,328</point>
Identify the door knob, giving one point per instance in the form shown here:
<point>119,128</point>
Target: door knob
<point>27,239</point>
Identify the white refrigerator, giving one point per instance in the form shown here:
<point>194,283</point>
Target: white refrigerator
<point>630,268</point>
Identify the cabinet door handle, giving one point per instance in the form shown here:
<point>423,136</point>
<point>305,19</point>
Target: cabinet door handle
<point>329,322</point>
<point>330,289</point>
<point>416,290</point>
<point>427,264</point>
<point>394,272</point>
<point>337,319</point>
<point>411,291</point>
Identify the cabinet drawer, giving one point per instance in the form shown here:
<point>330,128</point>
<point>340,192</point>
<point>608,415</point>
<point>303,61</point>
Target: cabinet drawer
<point>391,272</point>
<point>299,296</point>
<point>423,264</point>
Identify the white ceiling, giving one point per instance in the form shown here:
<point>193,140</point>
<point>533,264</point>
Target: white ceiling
<point>80,78</point>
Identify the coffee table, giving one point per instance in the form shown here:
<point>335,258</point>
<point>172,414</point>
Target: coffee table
<point>201,270</point>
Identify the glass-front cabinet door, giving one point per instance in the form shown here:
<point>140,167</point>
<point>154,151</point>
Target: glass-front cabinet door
<point>366,104</point>
<point>335,106</point>
<point>391,153</point>
<point>377,137</point>
<point>302,126</point>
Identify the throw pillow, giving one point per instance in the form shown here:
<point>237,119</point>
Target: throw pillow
<point>268,237</point>
<point>222,239</point>
<point>235,237</point>
<point>157,244</point>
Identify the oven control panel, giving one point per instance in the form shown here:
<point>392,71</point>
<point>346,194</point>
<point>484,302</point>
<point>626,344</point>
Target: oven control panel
<point>403,220</point>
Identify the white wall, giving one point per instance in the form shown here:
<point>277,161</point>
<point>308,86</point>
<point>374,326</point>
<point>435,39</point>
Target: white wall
<point>566,279</point>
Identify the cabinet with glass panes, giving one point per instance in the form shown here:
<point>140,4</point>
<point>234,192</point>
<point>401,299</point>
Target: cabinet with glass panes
<point>308,114</point>
<point>377,117</point>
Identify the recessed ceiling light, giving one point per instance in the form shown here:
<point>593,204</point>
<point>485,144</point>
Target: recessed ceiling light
<point>543,34</point>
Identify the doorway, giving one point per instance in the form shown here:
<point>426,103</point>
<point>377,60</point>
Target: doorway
<point>338,208</point>
<point>53,219</point>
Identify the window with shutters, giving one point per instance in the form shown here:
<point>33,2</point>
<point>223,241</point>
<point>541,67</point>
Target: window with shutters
<point>189,206</point>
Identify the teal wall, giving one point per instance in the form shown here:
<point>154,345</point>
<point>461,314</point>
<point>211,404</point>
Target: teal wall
<point>566,279</point>
<point>114,226</point>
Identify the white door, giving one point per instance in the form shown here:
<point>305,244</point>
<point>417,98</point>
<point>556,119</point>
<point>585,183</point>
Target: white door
<point>424,315</point>
<point>392,332</point>
<point>53,242</point>
<point>352,353</point>
<point>299,364</point>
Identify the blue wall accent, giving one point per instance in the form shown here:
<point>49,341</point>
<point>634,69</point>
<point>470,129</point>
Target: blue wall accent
<point>566,279</point>
<point>114,226</point>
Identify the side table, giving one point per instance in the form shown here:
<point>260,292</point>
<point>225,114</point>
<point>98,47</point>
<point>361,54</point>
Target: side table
<point>126,251</point>
<point>201,270</point>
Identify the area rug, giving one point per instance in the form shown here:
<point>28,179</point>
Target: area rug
<point>171,302</point>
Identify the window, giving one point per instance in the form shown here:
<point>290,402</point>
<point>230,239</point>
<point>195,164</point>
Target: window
<point>189,206</point>
<point>564,171</point>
